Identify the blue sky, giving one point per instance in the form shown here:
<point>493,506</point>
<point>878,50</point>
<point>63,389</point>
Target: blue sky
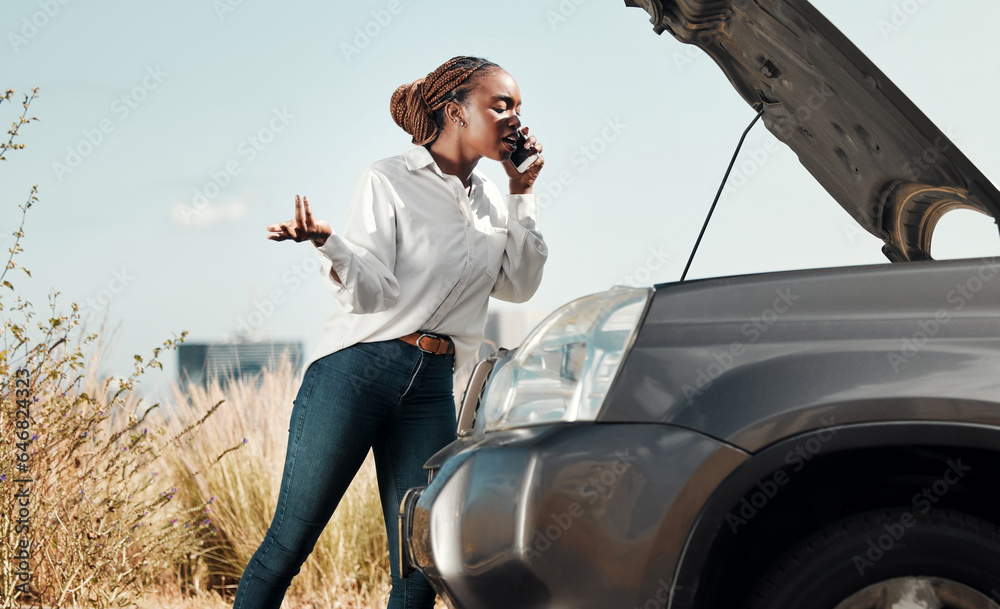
<point>172,133</point>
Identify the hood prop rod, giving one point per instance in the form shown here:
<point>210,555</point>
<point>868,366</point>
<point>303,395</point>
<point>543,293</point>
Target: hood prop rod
<point>719,193</point>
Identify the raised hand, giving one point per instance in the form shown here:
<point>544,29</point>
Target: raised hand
<point>302,226</point>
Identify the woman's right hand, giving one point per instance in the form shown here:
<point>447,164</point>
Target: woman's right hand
<point>302,226</point>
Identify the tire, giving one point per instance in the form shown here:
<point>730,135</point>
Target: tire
<point>888,551</point>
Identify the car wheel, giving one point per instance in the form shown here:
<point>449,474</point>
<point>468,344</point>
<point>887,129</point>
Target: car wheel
<point>886,560</point>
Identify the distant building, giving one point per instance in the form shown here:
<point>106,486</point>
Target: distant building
<point>199,363</point>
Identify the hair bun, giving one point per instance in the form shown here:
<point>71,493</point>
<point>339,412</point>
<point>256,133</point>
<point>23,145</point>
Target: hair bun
<point>411,112</point>
<point>416,107</point>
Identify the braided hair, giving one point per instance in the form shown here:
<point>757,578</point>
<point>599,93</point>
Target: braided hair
<point>418,107</point>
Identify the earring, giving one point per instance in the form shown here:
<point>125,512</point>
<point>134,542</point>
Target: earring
<point>463,123</point>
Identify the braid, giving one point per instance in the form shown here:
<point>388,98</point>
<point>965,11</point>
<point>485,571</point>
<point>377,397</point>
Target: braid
<point>417,107</point>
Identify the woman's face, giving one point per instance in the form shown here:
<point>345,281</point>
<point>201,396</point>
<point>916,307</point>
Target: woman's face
<point>491,116</point>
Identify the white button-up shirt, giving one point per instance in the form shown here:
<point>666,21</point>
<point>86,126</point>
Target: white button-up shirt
<point>418,253</point>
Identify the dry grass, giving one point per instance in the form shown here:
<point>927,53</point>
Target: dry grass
<point>171,599</point>
<point>95,523</point>
<point>120,505</point>
<point>349,565</point>
<point>219,450</point>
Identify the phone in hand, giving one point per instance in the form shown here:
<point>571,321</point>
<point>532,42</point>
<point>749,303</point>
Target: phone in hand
<point>522,158</point>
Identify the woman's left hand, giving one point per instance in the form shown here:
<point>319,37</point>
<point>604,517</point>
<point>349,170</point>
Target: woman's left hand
<point>520,183</point>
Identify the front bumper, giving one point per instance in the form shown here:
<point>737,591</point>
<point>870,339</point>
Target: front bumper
<point>584,515</point>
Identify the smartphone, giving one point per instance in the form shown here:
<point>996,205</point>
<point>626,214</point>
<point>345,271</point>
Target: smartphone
<point>522,158</point>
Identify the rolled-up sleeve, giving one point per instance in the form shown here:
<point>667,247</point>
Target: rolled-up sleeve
<point>365,255</point>
<point>525,254</point>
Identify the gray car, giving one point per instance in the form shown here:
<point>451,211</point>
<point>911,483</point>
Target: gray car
<point>813,439</point>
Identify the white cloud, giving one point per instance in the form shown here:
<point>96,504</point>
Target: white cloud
<point>185,215</point>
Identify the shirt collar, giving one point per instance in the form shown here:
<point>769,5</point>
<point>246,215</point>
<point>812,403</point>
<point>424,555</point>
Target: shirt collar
<point>418,157</point>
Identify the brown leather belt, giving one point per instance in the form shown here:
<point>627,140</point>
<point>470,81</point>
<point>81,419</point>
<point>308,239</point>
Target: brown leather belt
<point>430,343</point>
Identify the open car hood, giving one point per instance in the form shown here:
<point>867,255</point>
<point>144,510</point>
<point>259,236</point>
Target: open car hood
<point>879,156</point>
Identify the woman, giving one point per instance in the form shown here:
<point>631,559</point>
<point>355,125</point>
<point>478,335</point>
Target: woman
<point>428,240</point>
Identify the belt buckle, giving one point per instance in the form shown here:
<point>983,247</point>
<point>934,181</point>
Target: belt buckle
<point>443,340</point>
<point>427,335</point>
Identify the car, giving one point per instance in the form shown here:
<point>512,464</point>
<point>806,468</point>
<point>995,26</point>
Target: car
<point>824,438</point>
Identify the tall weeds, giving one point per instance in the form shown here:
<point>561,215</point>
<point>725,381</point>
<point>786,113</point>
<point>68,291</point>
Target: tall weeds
<point>87,519</point>
<point>104,499</point>
<point>349,565</point>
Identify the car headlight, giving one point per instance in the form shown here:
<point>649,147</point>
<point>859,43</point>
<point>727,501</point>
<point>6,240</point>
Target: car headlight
<point>564,368</point>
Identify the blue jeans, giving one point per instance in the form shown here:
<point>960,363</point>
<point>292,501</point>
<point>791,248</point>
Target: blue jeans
<point>388,396</point>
